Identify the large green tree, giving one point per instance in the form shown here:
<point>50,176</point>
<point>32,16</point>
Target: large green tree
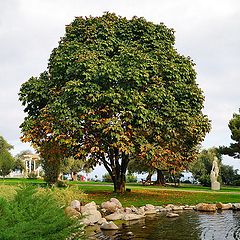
<point>6,159</point>
<point>234,149</point>
<point>115,90</point>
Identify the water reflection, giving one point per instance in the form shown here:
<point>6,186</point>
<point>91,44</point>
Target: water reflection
<point>190,225</point>
<point>221,225</point>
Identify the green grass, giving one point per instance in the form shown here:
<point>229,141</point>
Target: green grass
<point>142,196</point>
<point>88,183</point>
<point>139,195</point>
<point>19,181</point>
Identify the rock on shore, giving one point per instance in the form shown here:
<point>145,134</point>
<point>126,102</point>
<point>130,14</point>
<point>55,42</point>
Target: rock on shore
<point>113,210</point>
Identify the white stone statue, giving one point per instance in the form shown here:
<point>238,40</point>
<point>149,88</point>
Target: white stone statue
<point>215,185</point>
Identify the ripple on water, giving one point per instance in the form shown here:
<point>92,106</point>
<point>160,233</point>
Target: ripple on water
<point>190,225</point>
<point>221,225</point>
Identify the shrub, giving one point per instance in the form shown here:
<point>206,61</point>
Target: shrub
<point>106,177</point>
<point>7,191</point>
<point>236,182</point>
<point>63,196</point>
<point>36,217</point>
<point>61,184</point>
<point>131,178</point>
<point>32,175</point>
<point>205,180</point>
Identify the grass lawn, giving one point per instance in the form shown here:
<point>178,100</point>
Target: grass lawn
<point>17,181</point>
<point>139,195</point>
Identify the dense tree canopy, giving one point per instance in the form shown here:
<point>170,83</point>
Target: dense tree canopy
<point>116,90</point>
<point>234,149</point>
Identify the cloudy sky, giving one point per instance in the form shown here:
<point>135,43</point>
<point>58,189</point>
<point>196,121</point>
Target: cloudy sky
<point>206,30</point>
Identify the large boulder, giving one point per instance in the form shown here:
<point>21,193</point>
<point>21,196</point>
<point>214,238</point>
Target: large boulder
<point>150,211</point>
<point>149,207</point>
<point>139,211</point>
<point>187,207</point>
<point>71,212</point>
<point>76,205</point>
<point>164,209</point>
<point>158,208</point>
<point>169,207</point>
<point>128,210</point>
<point>91,216</point>
<point>90,213</point>
<point>132,216</point>
<point>172,215</point>
<point>101,221</point>
<point>114,216</point>
<point>236,206</point>
<point>223,206</point>
<point>89,206</point>
<point>109,226</point>
<point>205,207</point>
<point>134,209</point>
<point>111,206</point>
<point>116,201</point>
<point>177,208</point>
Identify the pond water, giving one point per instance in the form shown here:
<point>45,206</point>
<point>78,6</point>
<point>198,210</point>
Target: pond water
<point>190,225</point>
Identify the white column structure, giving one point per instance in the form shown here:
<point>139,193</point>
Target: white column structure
<point>26,167</point>
<point>29,160</point>
<point>30,165</point>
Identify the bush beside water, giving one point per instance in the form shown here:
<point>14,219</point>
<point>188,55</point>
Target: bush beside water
<point>37,217</point>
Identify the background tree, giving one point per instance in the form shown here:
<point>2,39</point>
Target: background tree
<point>115,90</point>
<point>140,167</point>
<point>72,166</point>
<point>229,175</point>
<point>202,166</point>
<point>6,159</point>
<point>234,149</point>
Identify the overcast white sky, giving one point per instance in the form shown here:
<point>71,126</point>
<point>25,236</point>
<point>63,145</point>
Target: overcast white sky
<point>206,30</point>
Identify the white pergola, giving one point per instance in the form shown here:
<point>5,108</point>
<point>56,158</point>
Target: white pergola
<point>30,161</point>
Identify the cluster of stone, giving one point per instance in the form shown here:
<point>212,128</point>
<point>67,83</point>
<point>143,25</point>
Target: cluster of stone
<point>112,210</point>
<point>205,207</point>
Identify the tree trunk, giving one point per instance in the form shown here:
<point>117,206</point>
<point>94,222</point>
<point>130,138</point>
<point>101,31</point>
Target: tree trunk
<point>117,168</point>
<point>160,177</point>
<point>149,177</point>
<point>51,168</point>
<point>74,176</point>
<point>52,155</point>
<point>119,186</point>
<point>60,177</point>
